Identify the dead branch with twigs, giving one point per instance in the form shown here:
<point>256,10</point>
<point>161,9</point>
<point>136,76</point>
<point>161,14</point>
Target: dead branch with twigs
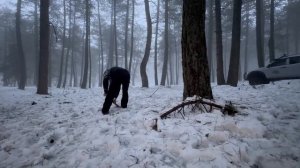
<point>200,103</point>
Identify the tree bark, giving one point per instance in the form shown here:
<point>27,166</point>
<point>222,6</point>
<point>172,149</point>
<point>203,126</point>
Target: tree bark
<point>132,37</point>
<point>166,51</point>
<point>233,74</point>
<point>260,32</point>
<point>63,48</point>
<point>155,45</point>
<point>219,45</point>
<point>22,76</point>
<point>194,59</point>
<point>246,39</point>
<point>210,39</point>
<point>115,34</point>
<point>272,40</point>
<point>126,35</point>
<point>69,46</point>
<point>110,58</point>
<point>90,63</point>
<point>147,48</point>
<point>101,55</point>
<point>44,48</point>
<point>36,41</point>
<point>86,49</point>
<point>73,64</point>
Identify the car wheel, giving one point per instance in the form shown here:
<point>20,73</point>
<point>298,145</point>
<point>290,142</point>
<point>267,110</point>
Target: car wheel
<point>257,79</point>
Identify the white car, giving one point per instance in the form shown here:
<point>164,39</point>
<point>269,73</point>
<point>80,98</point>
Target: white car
<point>285,67</point>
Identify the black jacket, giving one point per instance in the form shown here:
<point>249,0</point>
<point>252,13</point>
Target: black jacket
<point>116,75</point>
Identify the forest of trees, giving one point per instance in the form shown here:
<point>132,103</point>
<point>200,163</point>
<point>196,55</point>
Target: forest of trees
<point>88,36</point>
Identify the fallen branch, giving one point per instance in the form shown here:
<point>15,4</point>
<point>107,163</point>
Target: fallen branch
<point>226,109</point>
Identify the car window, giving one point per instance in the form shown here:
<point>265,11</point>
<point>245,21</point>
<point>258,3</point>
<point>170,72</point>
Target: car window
<point>278,62</point>
<point>295,60</point>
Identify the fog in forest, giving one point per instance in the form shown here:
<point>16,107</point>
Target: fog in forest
<point>118,35</point>
<point>150,83</point>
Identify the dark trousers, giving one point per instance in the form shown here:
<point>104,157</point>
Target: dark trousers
<point>113,92</point>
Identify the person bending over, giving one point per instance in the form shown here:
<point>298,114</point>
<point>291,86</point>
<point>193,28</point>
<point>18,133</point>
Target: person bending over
<point>113,79</point>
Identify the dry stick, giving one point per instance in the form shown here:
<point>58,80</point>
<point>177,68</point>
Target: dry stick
<point>227,109</point>
<point>154,92</point>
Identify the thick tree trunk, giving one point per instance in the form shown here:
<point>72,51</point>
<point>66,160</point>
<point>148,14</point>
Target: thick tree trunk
<point>260,32</point>
<point>166,38</point>
<point>22,76</point>
<point>219,45</point>
<point>86,48</point>
<point>147,48</point>
<point>194,59</point>
<point>44,48</point>
<point>233,74</point>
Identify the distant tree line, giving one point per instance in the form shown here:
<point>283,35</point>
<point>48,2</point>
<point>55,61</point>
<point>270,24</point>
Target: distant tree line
<point>88,36</point>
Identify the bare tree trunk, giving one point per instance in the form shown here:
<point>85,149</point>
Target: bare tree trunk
<point>70,43</point>
<point>272,40</point>
<point>86,49</point>
<point>194,58</point>
<point>155,45</point>
<point>260,32</point>
<point>176,60</point>
<point>51,50</point>
<point>109,63</point>
<point>246,39</point>
<point>126,35</point>
<point>90,64</point>
<point>36,41</point>
<point>171,58</point>
<point>63,48</point>
<point>166,54</point>
<point>132,37</point>
<point>287,43</point>
<point>219,45</point>
<point>101,55</point>
<point>233,73</point>
<point>148,47</point>
<point>22,76</point>
<point>210,39</point>
<point>42,87</point>
<point>82,59</point>
<point>73,66</point>
<point>115,33</point>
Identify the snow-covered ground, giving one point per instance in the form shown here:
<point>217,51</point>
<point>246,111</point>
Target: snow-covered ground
<point>66,129</point>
